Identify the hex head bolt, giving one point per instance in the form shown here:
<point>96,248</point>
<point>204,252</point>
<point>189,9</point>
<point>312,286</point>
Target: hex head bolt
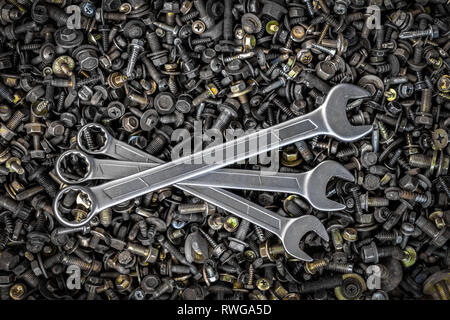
<point>149,253</point>
<point>424,117</point>
<point>160,139</point>
<point>94,266</point>
<point>166,27</point>
<point>211,91</point>
<point>395,217</point>
<point>36,129</point>
<point>439,237</point>
<point>168,269</point>
<point>8,130</point>
<point>19,209</point>
<point>189,67</point>
<point>136,47</point>
<point>372,253</point>
<point>228,112</point>
<point>331,52</point>
<point>305,151</point>
<point>154,73</point>
<point>237,243</point>
<point>42,178</point>
<point>177,254</point>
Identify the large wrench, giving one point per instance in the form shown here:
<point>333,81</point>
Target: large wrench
<point>293,183</point>
<point>329,119</point>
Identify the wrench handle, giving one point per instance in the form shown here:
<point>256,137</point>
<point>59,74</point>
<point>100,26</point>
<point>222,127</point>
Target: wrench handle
<point>240,207</point>
<point>123,151</point>
<point>250,180</point>
<point>105,169</point>
<point>117,191</point>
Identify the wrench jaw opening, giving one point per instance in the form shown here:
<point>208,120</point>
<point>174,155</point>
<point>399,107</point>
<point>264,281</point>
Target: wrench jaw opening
<point>316,181</point>
<point>296,229</point>
<point>335,116</point>
<point>83,162</point>
<point>87,138</point>
<point>87,196</point>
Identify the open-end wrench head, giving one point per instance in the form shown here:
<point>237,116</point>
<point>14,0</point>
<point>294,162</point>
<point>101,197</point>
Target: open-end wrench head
<point>296,229</point>
<point>316,183</point>
<point>335,115</point>
<point>86,131</point>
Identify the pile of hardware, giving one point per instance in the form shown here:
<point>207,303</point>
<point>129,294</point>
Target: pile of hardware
<point>236,149</point>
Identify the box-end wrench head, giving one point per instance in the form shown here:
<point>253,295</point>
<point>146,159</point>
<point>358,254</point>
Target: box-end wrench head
<point>93,138</point>
<point>90,168</point>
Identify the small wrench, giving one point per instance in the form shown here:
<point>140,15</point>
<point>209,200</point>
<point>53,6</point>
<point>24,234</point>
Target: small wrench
<point>293,183</point>
<point>329,119</point>
<point>289,230</point>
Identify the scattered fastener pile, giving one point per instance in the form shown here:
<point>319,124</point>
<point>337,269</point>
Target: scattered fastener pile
<point>95,91</point>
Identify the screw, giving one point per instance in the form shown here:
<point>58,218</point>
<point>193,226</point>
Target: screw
<point>136,46</point>
<point>439,237</point>
<point>237,243</point>
<point>432,32</point>
<point>211,91</point>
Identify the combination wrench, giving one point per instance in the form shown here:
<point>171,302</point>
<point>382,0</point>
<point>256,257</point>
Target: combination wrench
<point>293,183</point>
<point>289,230</point>
<point>329,119</point>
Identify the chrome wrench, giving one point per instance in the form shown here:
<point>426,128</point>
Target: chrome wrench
<point>289,230</point>
<point>241,207</point>
<point>329,119</point>
<point>293,183</point>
